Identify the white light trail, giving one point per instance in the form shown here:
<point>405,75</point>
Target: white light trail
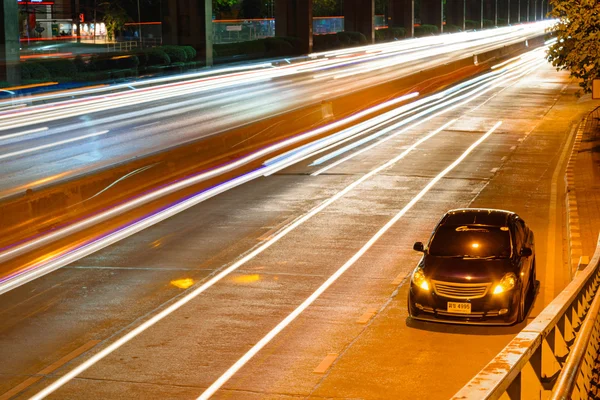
<point>317,293</point>
<point>19,134</point>
<point>50,145</point>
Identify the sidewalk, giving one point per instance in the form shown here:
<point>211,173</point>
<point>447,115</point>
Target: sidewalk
<point>587,190</point>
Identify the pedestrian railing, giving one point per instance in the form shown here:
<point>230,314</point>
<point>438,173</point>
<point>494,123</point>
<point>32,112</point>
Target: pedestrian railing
<point>121,46</point>
<point>554,355</point>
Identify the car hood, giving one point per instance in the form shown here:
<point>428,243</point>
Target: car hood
<point>465,270</point>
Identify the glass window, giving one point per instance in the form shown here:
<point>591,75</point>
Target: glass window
<point>471,241</point>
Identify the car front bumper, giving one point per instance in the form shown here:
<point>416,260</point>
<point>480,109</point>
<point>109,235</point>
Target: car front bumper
<point>488,310</point>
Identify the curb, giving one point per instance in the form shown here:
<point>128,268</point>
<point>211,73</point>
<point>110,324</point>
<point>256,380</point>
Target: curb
<point>576,259</point>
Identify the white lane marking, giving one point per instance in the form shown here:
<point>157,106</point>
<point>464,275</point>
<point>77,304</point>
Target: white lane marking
<point>47,146</point>
<point>14,135</point>
<point>317,293</point>
<point>494,170</point>
<point>196,292</point>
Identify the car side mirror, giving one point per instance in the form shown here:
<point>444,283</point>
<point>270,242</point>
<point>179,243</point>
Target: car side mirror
<point>418,246</point>
<point>526,252</point>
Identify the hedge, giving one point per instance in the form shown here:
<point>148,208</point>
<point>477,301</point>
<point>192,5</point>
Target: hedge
<point>470,24</point>
<point>60,67</point>
<point>190,52</point>
<point>451,28</point>
<point>488,23</point>
<point>34,70</point>
<point>176,53</point>
<point>426,30</point>
<point>389,34</point>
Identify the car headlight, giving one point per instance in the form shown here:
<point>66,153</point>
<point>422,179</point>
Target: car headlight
<point>419,279</point>
<point>507,282</point>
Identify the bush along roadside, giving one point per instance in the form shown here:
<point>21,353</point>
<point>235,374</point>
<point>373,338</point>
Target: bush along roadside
<point>338,40</point>
<point>110,66</point>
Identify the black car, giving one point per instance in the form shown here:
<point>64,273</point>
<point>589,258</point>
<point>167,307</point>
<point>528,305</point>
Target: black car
<point>478,268</point>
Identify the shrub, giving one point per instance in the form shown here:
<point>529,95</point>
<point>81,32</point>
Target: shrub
<point>33,70</point>
<point>190,52</point>
<point>175,53</point>
<point>502,22</point>
<point>157,56</point>
<point>4,84</point>
<point>356,37</point>
<point>389,34</point>
<point>488,23</point>
<point>344,38</point>
<point>278,47</point>
<point>470,24</point>
<point>80,64</point>
<point>130,61</point>
<point>451,28</point>
<point>295,42</point>
<point>425,30</point>
<point>325,42</point>
<point>60,68</point>
<point>251,47</point>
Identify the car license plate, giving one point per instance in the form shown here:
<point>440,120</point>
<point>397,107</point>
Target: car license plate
<point>459,308</point>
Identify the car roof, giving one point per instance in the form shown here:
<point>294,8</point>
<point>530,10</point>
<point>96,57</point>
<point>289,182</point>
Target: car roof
<point>477,216</point>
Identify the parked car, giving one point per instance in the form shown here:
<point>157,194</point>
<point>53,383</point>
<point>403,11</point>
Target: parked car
<point>477,268</point>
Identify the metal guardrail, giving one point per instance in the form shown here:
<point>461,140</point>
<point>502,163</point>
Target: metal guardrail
<point>560,345</point>
<point>121,46</point>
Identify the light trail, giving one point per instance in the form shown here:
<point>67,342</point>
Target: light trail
<point>317,293</point>
<point>295,156</point>
<point>24,133</point>
<point>50,145</point>
<point>487,87</point>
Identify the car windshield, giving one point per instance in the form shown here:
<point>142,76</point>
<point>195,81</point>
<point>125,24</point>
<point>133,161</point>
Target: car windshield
<point>471,241</point>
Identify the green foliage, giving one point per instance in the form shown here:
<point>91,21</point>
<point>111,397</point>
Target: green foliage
<point>34,70</point>
<point>175,53</point>
<point>277,47</point>
<point>114,18</point>
<point>426,30</point>
<point>326,8</point>
<point>502,22</point>
<point>578,47</point>
<point>190,52</point>
<point>388,34</point>
<point>80,64</point>
<point>488,23</point>
<point>326,42</point>
<point>223,6</point>
<point>60,67</point>
<point>470,24</point>
<point>157,56</point>
<point>451,28</point>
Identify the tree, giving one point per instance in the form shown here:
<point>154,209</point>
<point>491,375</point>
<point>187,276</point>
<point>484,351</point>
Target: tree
<point>326,8</point>
<point>578,40</point>
<point>114,18</point>
<point>252,9</point>
<point>223,6</point>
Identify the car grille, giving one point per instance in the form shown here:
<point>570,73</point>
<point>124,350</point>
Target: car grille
<point>460,290</point>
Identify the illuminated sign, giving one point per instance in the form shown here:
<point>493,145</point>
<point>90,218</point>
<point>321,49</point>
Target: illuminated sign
<point>37,2</point>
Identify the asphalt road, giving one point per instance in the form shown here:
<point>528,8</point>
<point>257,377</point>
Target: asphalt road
<point>355,333</point>
<point>45,144</point>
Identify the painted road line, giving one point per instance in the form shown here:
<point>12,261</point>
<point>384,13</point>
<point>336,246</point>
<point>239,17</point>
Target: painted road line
<point>130,230</point>
<point>51,368</point>
<point>326,363</point>
<point>317,293</point>
<point>50,145</point>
